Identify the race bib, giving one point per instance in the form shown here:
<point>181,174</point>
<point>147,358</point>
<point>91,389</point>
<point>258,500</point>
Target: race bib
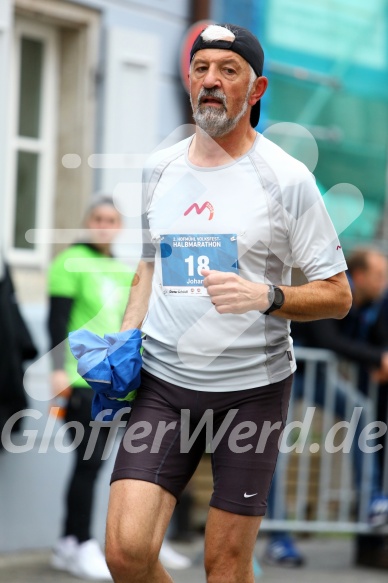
<point>184,256</point>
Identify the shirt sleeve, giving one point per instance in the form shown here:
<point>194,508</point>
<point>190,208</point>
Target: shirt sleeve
<point>148,248</point>
<point>314,243</point>
<point>58,322</point>
<point>62,291</point>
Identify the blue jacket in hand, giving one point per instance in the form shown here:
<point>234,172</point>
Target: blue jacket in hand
<point>111,366</point>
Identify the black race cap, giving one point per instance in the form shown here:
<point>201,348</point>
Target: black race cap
<point>244,44</point>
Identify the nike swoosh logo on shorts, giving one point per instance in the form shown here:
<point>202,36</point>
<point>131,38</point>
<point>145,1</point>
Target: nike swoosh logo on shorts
<point>249,495</point>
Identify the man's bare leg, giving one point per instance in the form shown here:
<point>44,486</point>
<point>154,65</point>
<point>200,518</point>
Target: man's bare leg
<point>229,544</point>
<point>138,516</point>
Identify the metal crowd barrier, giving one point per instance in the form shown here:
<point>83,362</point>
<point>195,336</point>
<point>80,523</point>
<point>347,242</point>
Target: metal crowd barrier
<point>315,490</point>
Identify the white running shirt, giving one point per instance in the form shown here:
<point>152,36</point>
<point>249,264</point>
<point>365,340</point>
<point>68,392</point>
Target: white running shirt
<point>259,216</point>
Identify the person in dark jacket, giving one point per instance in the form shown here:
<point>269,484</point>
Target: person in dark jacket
<point>361,338</point>
<point>17,347</point>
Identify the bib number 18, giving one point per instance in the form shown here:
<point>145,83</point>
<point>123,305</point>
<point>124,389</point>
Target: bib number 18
<point>202,263</point>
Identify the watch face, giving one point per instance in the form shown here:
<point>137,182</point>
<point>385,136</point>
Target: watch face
<point>279,297</point>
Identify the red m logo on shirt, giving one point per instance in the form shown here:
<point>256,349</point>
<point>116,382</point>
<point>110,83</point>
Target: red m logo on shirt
<point>199,210</point>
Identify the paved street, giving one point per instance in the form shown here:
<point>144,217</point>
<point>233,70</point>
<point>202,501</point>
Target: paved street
<point>328,559</point>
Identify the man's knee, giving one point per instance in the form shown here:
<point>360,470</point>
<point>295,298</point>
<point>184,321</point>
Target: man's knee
<point>133,537</point>
<point>130,561</point>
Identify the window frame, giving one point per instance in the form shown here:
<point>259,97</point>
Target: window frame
<point>44,146</point>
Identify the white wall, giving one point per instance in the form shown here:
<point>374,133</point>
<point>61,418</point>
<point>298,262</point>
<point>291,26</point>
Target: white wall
<point>5,23</point>
<point>142,98</point>
<point>167,21</point>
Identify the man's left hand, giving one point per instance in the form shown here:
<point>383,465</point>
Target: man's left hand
<point>232,294</point>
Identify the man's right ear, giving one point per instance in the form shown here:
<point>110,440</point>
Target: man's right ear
<point>260,88</point>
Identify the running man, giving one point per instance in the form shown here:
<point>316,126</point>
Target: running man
<point>228,214</point>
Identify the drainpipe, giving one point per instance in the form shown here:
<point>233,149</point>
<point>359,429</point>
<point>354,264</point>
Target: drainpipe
<point>200,10</point>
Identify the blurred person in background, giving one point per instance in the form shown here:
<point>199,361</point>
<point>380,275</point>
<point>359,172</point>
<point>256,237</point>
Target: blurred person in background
<point>88,288</point>
<point>17,347</point>
<point>362,338</point>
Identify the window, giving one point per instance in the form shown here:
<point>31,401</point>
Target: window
<point>32,138</point>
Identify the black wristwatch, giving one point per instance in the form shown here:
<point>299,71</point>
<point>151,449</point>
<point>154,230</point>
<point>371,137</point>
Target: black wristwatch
<point>275,298</point>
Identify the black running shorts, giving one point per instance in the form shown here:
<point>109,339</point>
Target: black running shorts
<point>170,428</point>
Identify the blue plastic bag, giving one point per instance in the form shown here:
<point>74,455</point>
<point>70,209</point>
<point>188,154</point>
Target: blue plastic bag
<point>110,365</point>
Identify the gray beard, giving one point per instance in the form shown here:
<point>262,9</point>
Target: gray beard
<point>214,120</point>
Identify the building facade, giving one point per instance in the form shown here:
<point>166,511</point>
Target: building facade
<point>91,87</point>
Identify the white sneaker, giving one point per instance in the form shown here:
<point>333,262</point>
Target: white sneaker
<point>62,552</point>
<point>171,559</point>
<point>88,562</point>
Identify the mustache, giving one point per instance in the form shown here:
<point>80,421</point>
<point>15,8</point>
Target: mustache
<point>215,93</point>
